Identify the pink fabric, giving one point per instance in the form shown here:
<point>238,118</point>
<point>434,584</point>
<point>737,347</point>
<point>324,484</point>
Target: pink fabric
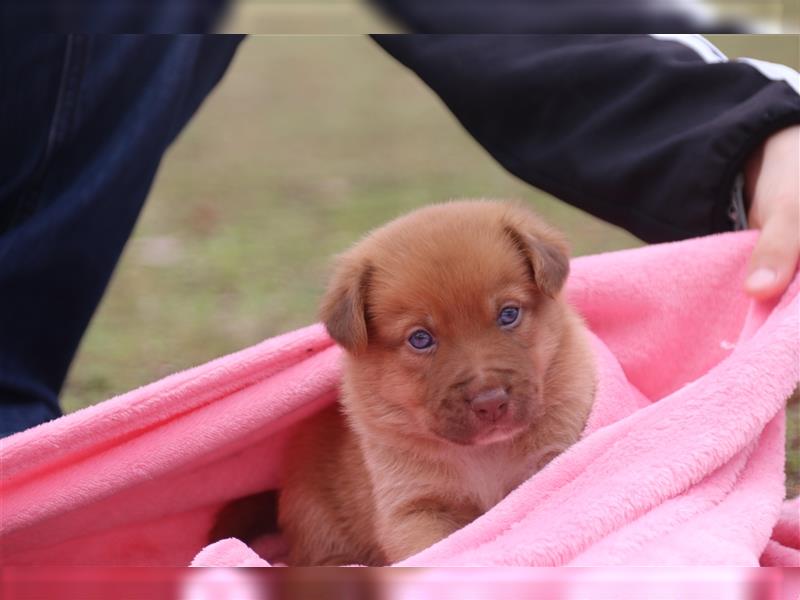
<point>681,463</point>
<point>230,553</point>
<point>783,549</point>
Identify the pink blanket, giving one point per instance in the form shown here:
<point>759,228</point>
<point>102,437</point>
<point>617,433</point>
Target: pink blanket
<point>681,463</point>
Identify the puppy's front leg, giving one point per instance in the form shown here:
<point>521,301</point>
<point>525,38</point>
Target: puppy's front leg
<point>411,527</point>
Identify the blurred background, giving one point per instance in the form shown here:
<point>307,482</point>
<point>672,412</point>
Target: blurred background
<point>307,143</point>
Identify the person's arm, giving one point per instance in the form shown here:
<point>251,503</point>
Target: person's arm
<point>563,16</point>
<point>646,133</point>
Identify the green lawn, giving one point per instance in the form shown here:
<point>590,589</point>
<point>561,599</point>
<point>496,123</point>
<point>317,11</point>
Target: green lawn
<point>306,144</point>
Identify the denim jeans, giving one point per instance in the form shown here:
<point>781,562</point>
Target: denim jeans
<point>84,122</point>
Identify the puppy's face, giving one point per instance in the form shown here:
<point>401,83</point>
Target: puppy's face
<point>450,316</point>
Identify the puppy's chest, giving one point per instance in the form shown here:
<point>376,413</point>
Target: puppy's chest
<point>487,479</point>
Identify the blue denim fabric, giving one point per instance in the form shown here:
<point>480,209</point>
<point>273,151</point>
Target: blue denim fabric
<point>84,122</point>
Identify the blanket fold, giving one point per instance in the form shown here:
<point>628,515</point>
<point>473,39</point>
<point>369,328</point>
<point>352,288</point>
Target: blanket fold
<point>681,462</point>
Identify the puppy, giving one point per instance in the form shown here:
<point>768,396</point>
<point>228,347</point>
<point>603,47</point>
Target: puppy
<point>464,373</point>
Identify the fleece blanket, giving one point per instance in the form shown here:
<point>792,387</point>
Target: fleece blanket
<point>681,462</point>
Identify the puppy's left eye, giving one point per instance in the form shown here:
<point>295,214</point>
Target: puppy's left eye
<point>508,317</point>
<point>421,340</point>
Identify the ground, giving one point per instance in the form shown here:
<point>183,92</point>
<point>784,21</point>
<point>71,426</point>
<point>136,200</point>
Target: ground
<point>309,142</point>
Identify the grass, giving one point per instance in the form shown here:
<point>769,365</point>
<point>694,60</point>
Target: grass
<point>308,143</point>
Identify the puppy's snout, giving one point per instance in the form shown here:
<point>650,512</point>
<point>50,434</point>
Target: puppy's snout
<point>490,405</point>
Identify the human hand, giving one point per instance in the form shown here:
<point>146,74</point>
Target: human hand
<point>772,184</point>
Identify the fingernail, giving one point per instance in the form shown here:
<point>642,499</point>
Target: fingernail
<point>761,278</point>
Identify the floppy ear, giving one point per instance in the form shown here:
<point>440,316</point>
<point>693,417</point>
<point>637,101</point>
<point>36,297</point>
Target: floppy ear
<point>344,309</point>
<point>545,251</point>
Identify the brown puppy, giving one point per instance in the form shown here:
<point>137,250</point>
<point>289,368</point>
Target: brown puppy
<point>465,372</point>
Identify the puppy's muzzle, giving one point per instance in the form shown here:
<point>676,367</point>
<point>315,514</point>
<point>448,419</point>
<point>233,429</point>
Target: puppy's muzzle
<point>490,405</point>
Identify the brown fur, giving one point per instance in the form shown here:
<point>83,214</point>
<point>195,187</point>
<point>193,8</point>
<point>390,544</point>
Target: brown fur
<point>404,460</point>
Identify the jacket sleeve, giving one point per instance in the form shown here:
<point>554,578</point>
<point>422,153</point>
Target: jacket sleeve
<point>645,132</point>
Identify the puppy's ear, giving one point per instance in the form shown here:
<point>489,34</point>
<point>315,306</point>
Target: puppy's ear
<point>344,304</point>
<point>546,253</point>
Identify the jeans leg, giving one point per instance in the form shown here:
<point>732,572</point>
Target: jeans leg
<point>84,122</point>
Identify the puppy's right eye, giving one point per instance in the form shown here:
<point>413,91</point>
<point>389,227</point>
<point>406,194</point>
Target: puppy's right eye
<point>420,340</point>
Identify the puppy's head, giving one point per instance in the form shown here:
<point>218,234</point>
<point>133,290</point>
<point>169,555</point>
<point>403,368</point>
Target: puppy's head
<point>450,317</point>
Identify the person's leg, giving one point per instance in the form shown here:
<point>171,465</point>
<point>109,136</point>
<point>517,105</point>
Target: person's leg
<point>84,122</point>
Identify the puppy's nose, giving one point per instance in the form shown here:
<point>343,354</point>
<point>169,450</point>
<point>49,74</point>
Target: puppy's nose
<point>490,405</point>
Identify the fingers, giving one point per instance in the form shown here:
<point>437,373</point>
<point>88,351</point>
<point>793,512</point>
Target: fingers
<point>774,259</point>
<point>773,185</point>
